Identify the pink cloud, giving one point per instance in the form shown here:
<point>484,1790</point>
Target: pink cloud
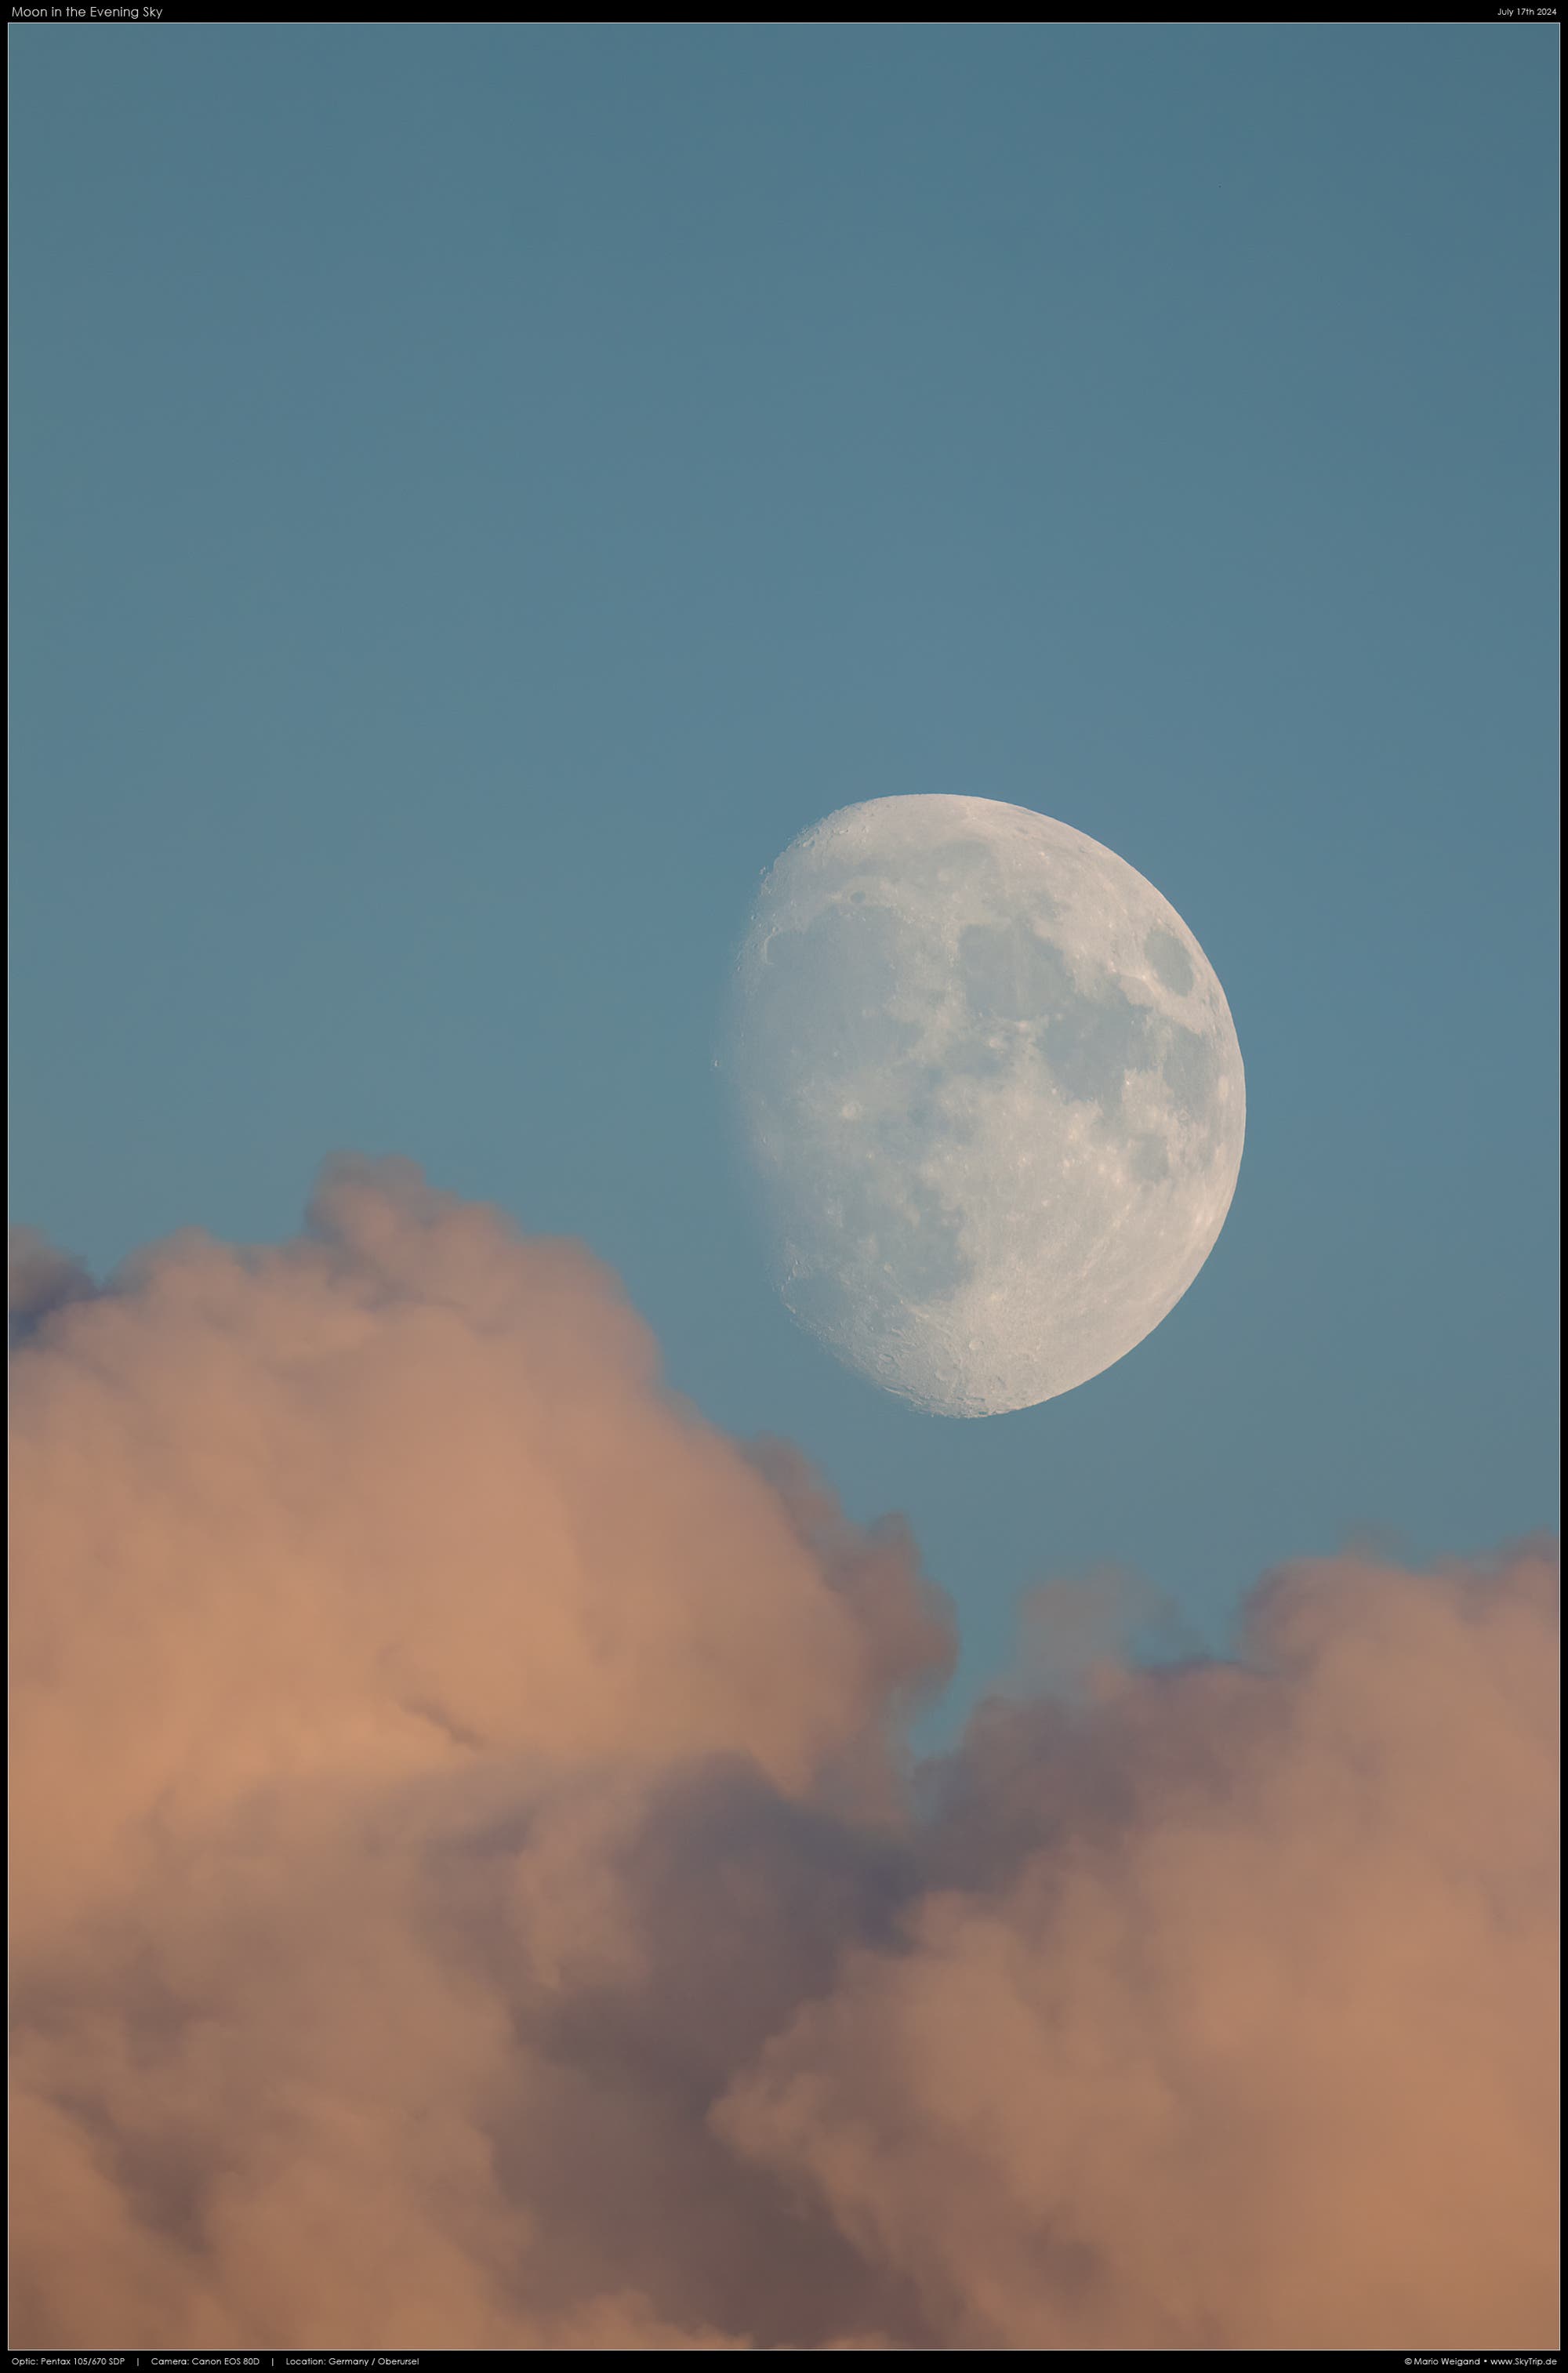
<point>466,1889</point>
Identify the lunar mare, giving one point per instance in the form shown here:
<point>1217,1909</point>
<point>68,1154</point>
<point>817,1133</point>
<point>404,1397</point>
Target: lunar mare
<point>990,1090</point>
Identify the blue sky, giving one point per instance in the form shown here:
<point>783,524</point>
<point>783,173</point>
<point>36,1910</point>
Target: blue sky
<point>477,496</point>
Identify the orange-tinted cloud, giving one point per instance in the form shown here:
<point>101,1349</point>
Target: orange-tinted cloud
<point>467,1889</point>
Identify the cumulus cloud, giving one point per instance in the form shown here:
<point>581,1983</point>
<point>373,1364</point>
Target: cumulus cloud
<point>469,1888</point>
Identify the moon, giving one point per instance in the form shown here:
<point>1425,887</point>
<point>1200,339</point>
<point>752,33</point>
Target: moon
<point>990,1090</point>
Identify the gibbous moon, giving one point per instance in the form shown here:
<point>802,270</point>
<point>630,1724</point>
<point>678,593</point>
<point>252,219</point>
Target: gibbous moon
<point>992,1091</point>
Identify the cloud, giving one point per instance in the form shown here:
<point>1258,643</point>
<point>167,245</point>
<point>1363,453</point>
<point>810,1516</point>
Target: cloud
<point>1233,2024</point>
<point>468,1888</point>
<point>39,1278</point>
